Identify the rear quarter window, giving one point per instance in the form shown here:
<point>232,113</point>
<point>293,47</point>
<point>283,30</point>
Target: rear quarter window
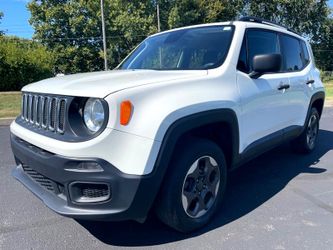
<point>306,55</point>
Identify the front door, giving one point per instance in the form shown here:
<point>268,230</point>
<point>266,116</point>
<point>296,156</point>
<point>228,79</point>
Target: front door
<point>264,103</point>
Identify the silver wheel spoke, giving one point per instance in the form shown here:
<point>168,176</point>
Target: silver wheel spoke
<point>200,186</point>
<point>202,205</point>
<point>312,131</point>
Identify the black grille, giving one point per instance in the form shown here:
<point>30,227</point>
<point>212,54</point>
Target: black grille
<point>38,110</point>
<point>95,192</point>
<point>52,114</point>
<point>61,121</point>
<point>43,181</point>
<point>44,112</point>
<point>47,112</point>
<point>40,179</point>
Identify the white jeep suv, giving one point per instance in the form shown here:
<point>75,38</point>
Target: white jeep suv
<point>162,130</point>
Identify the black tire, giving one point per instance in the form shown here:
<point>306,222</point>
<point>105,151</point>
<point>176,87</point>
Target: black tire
<point>306,142</point>
<point>170,207</point>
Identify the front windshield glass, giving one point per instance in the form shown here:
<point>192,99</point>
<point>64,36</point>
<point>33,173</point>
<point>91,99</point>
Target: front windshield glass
<point>186,49</point>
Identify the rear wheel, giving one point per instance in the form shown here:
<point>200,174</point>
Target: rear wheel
<point>306,142</point>
<point>194,186</point>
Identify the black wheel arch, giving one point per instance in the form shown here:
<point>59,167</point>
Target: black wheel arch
<point>182,127</point>
<point>179,128</point>
<point>317,101</point>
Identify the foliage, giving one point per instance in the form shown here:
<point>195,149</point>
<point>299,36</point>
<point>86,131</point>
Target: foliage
<point>326,76</point>
<point>189,12</point>
<point>22,62</point>
<point>72,29</point>
<point>323,50</point>
<point>128,23</point>
<point>304,16</point>
<point>1,16</point>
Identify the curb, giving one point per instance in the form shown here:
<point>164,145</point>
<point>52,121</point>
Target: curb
<point>328,103</point>
<point>6,121</point>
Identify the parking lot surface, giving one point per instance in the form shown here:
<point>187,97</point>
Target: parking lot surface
<point>280,200</point>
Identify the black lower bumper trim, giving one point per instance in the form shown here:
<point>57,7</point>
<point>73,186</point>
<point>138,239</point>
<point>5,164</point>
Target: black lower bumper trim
<point>131,195</point>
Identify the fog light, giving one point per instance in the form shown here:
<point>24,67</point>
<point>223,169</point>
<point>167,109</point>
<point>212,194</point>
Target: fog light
<point>87,166</point>
<point>85,192</point>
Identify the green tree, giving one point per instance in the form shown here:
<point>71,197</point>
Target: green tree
<point>1,16</point>
<point>189,12</point>
<point>22,62</point>
<point>72,30</point>
<point>323,50</point>
<point>307,17</point>
<point>128,23</point>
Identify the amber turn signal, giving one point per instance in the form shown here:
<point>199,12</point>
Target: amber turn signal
<point>125,112</point>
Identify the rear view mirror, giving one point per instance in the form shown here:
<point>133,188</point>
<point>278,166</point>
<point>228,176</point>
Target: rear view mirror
<point>266,63</point>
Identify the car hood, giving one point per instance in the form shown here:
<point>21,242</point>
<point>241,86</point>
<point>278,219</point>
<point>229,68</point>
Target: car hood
<point>101,84</point>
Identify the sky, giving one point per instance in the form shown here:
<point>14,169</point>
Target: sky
<point>16,18</point>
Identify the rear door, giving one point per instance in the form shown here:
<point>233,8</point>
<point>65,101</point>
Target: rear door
<point>296,65</point>
<point>264,112</point>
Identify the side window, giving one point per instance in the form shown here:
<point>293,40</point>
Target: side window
<point>306,56</point>
<point>261,42</point>
<point>292,53</point>
<point>242,60</point>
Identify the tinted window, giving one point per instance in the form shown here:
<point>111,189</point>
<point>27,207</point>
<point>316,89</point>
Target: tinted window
<point>195,48</point>
<point>306,56</point>
<point>242,61</point>
<point>292,53</point>
<point>261,42</point>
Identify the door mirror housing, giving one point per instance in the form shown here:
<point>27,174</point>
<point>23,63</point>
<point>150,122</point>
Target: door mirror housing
<point>265,63</point>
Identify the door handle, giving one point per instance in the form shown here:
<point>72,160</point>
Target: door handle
<point>310,82</point>
<point>284,86</point>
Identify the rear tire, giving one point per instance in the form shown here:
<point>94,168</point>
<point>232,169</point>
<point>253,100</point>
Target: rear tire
<point>194,186</point>
<point>306,142</point>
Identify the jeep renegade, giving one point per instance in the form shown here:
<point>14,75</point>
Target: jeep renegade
<point>161,131</point>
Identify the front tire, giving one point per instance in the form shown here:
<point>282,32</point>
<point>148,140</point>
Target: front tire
<point>306,142</point>
<point>194,186</point>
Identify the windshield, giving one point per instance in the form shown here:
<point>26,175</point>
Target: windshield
<point>186,49</point>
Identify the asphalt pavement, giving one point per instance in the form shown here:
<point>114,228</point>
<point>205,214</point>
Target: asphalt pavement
<point>280,200</point>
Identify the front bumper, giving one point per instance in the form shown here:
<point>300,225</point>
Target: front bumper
<point>131,196</point>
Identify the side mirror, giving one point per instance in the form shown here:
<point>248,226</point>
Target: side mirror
<point>266,63</point>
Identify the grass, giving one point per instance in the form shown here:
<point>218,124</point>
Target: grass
<point>329,90</point>
<point>10,104</point>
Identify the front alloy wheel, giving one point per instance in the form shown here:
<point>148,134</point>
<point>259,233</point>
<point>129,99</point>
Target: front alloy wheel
<point>194,185</point>
<point>200,186</point>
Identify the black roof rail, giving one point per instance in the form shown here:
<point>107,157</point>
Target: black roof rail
<point>264,21</point>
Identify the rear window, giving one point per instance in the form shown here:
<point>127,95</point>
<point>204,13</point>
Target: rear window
<point>292,53</point>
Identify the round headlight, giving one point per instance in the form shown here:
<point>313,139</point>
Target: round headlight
<point>93,114</point>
